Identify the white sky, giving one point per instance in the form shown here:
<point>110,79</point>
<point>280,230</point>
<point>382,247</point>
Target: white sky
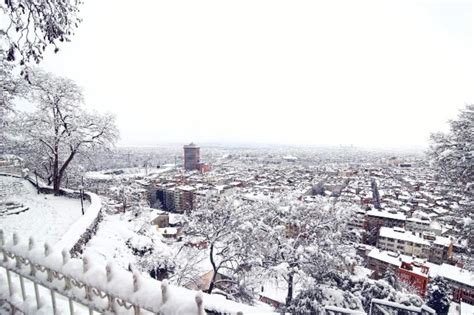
<point>383,73</point>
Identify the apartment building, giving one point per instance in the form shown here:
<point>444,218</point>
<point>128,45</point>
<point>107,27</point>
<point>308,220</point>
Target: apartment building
<point>441,250</point>
<point>407,269</point>
<point>375,219</point>
<point>418,272</point>
<point>173,198</point>
<point>399,240</point>
<point>422,225</point>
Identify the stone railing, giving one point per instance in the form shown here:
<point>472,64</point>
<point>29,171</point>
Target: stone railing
<point>84,228</point>
<point>38,278</point>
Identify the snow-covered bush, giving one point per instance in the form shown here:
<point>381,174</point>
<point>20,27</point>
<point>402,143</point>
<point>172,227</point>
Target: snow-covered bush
<point>345,292</point>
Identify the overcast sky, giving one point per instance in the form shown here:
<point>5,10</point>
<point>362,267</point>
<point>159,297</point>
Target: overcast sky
<point>383,73</point>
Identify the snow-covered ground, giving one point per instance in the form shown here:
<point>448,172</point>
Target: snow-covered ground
<point>115,230</point>
<point>118,233</point>
<point>48,216</point>
<point>133,172</point>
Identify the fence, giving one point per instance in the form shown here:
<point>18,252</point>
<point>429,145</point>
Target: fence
<point>10,170</point>
<point>71,284</point>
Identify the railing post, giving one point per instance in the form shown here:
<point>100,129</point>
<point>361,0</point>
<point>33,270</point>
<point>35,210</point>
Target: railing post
<point>198,300</point>
<point>136,287</point>
<point>53,301</point>
<point>32,269</point>
<point>85,268</point>
<point>15,242</point>
<point>109,274</point>
<point>31,244</point>
<point>164,291</point>
<point>66,256</point>
<point>109,271</point>
<point>15,239</point>
<point>47,249</point>
<point>85,264</point>
<point>67,280</point>
<point>47,252</point>
<point>38,302</point>
<point>22,286</point>
<point>9,280</point>
<point>2,244</point>
<point>71,306</point>
<point>136,281</point>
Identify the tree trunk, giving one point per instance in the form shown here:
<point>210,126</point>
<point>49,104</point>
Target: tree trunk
<point>56,175</point>
<point>57,186</point>
<point>214,269</point>
<point>59,173</point>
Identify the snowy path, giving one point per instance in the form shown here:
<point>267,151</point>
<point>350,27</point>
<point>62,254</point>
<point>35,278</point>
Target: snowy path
<point>48,217</point>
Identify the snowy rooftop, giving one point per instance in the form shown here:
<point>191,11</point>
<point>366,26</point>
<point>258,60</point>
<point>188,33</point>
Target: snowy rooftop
<point>386,256</point>
<point>443,241</point>
<point>419,221</point>
<point>457,274</point>
<point>387,214</point>
<point>186,188</point>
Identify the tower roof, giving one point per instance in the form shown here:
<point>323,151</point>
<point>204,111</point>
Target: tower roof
<point>191,145</point>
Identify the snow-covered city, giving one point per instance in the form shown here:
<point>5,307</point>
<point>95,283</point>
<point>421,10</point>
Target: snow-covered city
<point>238,159</point>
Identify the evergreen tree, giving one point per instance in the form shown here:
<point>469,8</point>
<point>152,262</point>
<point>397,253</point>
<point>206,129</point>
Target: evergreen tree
<point>452,153</point>
<point>391,277</point>
<point>438,295</point>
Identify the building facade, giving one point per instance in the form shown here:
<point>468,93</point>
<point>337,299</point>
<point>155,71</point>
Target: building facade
<point>191,157</point>
<point>376,219</point>
<point>178,199</point>
<point>418,272</point>
<point>441,250</point>
<point>408,270</point>
<point>407,243</point>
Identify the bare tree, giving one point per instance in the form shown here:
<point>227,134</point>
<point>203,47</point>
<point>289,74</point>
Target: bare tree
<point>28,27</point>
<point>305,240</point>
<point>60,129</point>
<point>227,228</point>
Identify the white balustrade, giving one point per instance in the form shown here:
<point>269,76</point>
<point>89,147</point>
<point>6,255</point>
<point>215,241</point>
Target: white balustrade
<point>79,282</point>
